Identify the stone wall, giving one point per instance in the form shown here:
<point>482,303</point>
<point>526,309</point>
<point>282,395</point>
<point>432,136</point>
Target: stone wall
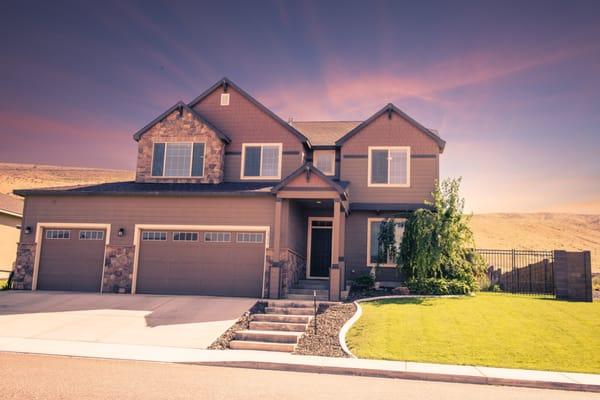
<point>118,269</point>
<point>281,277</point>
<point>184,128</point>
<point>573,275</point>
<point>23,272</point>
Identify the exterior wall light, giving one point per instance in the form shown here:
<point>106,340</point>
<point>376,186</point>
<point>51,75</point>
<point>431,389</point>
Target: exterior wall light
<point>121,232</point>
<point>27,230</point>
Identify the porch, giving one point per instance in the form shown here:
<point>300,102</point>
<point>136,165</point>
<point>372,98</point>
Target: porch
<point>307,254</point>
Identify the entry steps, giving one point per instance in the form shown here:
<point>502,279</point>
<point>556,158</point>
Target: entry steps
<point>305,288</point>
<point>278,329</point>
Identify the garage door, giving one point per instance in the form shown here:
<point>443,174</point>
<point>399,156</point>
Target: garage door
<point>71,259</point>
<point>201,263</point>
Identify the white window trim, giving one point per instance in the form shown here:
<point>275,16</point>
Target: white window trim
<point>260,177</point>
<point>191,161</point>
<point>322,152</point>
<point>369,221</point>
<point>225,98</point>
<point>389,148</point>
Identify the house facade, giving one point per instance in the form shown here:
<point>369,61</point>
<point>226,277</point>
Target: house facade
<point>11,212</point>
<point>229,199</point>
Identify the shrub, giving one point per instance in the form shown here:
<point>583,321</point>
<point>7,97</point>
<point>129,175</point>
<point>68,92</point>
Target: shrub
<point>596,282</point>
<point>438,286</point>
<point>364,282</point>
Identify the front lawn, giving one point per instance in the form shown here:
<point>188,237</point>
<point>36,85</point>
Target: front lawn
<point>491,329</point>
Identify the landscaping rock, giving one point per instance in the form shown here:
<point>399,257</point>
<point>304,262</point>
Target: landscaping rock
<point>325,342</point>
<point>401,290</point>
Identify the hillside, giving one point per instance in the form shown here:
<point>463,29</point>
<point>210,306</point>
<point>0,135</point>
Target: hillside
<point>28,176</point>
<point>539,231</point>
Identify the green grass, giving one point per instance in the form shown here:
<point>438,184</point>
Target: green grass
<point>488,329</point>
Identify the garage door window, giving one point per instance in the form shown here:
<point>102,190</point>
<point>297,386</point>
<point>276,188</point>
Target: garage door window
<point>154,236</point>
<point>217,237</point>
<point>91,235</point>
<point>58,234</point>
<point>185,236</point>
<point>250,237</point>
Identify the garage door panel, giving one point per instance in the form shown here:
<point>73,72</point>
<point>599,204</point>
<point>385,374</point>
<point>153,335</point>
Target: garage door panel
<point>71,264</point>
<point>204,268</point>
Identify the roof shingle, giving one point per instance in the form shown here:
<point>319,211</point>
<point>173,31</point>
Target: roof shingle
<point>324,133</point>
<point>11,205</point>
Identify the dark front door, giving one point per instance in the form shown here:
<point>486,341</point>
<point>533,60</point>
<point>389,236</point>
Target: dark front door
<point>320,252</point>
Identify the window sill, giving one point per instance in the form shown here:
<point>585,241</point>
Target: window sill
<point>388,185</point>
<point>260,178</point>
<point>177,177</point>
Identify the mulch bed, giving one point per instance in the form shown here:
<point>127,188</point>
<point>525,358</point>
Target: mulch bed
<point>330,320</point>
<point>222,343</point>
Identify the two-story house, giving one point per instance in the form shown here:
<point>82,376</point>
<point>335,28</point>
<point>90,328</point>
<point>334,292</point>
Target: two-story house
<point>229,199</point>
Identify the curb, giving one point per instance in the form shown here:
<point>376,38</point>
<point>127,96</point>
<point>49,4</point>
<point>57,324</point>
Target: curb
<point>421,376</point>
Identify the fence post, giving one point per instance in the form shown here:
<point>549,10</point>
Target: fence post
<point>513,255</point>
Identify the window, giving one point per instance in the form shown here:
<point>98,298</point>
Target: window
<point>324,160</point>
<point>58,234</point>
<point>91,235</point>
<point>250,237</point>
<point>261,161</point>
<point>178,160</point>
<point>217,237</point>
<point>154,236</point>
<point>185,236</point>
<point>372,240</point>
<point>224,99</point>
<point>389,166</point>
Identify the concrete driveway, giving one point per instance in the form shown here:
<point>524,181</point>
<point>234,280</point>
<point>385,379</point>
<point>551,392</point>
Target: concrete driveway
<point>180,321</point>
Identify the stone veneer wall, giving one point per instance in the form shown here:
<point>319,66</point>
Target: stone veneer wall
<point>118,269</point>
<point>293,268</point>
<point>23,272</point>
<point>184,128</point>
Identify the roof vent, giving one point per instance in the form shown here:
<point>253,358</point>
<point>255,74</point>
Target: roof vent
<point>224,99</point>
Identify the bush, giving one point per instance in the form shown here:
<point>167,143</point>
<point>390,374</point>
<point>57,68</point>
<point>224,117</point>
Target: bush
<point>439,286</point>
<point>596,282</point>
<point>364,282</point>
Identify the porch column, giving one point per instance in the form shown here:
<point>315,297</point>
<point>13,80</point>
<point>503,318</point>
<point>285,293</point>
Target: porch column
<point>275,271</point>
<point>334,271</point>
<point>341,260</point>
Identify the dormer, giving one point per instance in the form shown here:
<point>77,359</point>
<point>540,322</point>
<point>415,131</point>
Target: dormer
<point>180,146</point>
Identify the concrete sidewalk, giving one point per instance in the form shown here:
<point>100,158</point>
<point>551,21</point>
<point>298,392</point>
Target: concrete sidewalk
<point>289,362</point>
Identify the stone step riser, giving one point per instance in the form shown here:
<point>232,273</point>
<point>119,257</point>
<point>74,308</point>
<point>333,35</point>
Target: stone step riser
<point>309,291</point>
<point>289,310</point>
<point>292,319</point>
<point>306,297</point>
<point>264,346</point>
<point>277,326</point>
<point>311,287</point>
<point>263,336</point>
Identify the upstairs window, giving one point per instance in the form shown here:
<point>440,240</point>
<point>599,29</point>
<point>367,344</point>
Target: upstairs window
<point>261,160</point>
<point>224,99</point>
<point>389,166</point>
<point>324,160</point>
<point>178,160</point>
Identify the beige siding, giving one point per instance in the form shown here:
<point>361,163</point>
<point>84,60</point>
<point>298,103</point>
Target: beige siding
<point>233,165</point>
<point>9,236</point>
<point>125,212</point>
<point>390,132</point>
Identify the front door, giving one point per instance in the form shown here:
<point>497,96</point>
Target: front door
<point>320,248</point>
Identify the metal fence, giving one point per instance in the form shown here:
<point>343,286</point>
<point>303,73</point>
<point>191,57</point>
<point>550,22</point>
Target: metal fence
<point>520,271</point>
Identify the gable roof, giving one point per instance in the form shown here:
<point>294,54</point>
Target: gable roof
<point>309,168</point>
<point>227,82</point>
<point>180,105</point>
<point>11,206</point>
<point>324,133</point>
<point>390,108</point>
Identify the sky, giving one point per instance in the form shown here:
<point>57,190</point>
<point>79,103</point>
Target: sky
<point>513,87</point>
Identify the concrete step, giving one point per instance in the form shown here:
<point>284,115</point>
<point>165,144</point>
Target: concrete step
<point>277,326</point>
<point>289,310</point>
<point>312,284</point>
<point>268,336</point>
<point>290,303</point>
<point>320,292</point>
<point>265,346</point>
<point>293,296</point>
<point>292,319</point>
